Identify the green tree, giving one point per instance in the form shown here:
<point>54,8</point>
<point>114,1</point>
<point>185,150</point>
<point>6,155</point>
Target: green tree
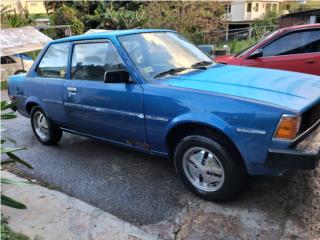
<point>196,20</point>
<point>66,15</point>
<point>111,17</point>
<point>267,23</point>
<point>14,18</point>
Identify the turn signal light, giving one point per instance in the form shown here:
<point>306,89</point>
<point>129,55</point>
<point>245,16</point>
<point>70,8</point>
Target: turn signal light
<point>288,127</point>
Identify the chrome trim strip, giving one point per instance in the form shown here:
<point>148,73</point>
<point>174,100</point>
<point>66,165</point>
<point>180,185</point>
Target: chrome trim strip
<point>157,118</point>
<point>46,100</point>
<point>106,110</point>
<point>307,131</point>
<point>251,130</point>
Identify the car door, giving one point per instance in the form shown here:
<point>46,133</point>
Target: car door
<point>295,51</point>
<point>47,81</point>
<point>112,111</point>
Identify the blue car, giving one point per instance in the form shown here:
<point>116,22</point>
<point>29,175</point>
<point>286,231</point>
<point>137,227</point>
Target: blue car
<point>154,91</point>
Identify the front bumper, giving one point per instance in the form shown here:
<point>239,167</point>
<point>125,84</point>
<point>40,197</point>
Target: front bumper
<point>305,155</point>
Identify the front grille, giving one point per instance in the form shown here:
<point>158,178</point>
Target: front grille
<point>309,118</point>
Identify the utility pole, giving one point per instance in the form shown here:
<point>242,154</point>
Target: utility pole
<point>227,25</point>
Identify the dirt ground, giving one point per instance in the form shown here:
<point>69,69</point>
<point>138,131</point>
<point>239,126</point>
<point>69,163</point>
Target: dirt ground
<point>286,207</point>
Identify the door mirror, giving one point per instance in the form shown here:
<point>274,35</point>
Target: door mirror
<point>117,76</point>
<point>256,54</point>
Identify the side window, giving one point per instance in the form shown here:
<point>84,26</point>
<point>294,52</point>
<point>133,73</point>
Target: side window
<point>90,61</point>
<point>294,43</point>
<point>54,62</point>
<point>7,60</point>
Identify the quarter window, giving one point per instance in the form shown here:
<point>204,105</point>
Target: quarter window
<point>54,62</point>
<point>294,43</point>
<point>90,61</point>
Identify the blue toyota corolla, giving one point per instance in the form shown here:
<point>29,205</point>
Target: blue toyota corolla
<point>153,91</point>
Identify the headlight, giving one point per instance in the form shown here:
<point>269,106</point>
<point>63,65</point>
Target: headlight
<point>288,127</point>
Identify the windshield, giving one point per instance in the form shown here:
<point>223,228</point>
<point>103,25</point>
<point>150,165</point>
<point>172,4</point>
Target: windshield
<point>160,52</point>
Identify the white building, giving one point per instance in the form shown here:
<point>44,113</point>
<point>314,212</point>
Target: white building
<point>246,10</point>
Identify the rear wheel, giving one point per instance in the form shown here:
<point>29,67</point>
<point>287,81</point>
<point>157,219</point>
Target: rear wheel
<point>209,167</point>
<point>45,130</point>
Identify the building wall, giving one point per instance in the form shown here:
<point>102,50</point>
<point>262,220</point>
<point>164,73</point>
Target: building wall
<point>33,6</point>
<point>246,10</point>
<point>293,6</point>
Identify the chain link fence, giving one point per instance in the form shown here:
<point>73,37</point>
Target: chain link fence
<point>236,39</point>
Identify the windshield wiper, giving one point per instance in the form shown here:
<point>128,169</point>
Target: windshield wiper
<point>170,72</point>
<point>201,64</point>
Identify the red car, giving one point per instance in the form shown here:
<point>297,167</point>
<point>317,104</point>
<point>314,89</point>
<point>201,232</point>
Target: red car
<point>294,49</point>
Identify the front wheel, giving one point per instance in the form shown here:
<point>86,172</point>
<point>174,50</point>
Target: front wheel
<point>45,130</point>
<point>209,167</point>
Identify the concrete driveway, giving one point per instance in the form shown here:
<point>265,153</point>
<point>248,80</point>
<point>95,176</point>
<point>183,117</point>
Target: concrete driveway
<point>145,190</point>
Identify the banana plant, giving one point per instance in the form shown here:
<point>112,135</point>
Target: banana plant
<point>8,156</point>
<point>121,18</point>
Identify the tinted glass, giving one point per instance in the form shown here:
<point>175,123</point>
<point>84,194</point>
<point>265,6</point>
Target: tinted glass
<point>7,60</point>
<point>294,43</point>
<point>54,62</point>
<point>90,61</point>
<point>157,52</point>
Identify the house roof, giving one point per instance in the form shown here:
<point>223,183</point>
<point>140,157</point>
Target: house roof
<point>302,13</point>
<point>20,40</point>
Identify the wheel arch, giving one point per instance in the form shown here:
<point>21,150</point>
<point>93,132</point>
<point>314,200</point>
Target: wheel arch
<point>31,102</point>
<point>182,128</point>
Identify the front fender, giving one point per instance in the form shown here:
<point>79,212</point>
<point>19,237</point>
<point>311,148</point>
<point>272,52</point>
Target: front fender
<point>207,119</point>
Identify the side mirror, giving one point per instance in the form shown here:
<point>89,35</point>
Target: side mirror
<point>256,54</point>
<point>117,76</point>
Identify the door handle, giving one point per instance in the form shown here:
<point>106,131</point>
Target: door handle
<point>72,89</point>
<point>310,61</point>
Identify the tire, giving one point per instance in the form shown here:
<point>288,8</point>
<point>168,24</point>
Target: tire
<point>209,166</point>
<point>45,130</point>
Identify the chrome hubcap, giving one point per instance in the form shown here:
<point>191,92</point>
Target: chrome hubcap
<point>41,125</point>
<point>203,169</point>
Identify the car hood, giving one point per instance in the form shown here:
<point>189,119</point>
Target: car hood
<point>290,90</point>
<point>224,58</point>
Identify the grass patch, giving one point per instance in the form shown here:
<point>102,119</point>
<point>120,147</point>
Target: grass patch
<point>238,46</point>
<point>4,85</point>
<point>7,233</point>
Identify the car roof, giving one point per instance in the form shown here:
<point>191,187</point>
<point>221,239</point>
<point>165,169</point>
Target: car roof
<point>303,26</point>
<point>108,34</point>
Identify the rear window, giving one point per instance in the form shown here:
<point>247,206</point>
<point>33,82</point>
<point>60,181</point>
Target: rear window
<point>54,62</point>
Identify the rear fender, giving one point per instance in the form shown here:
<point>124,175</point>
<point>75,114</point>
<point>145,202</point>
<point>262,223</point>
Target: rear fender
<point>33,100</point>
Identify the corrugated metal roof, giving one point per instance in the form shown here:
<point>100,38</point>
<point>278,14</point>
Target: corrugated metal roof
<point>20,40</point>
